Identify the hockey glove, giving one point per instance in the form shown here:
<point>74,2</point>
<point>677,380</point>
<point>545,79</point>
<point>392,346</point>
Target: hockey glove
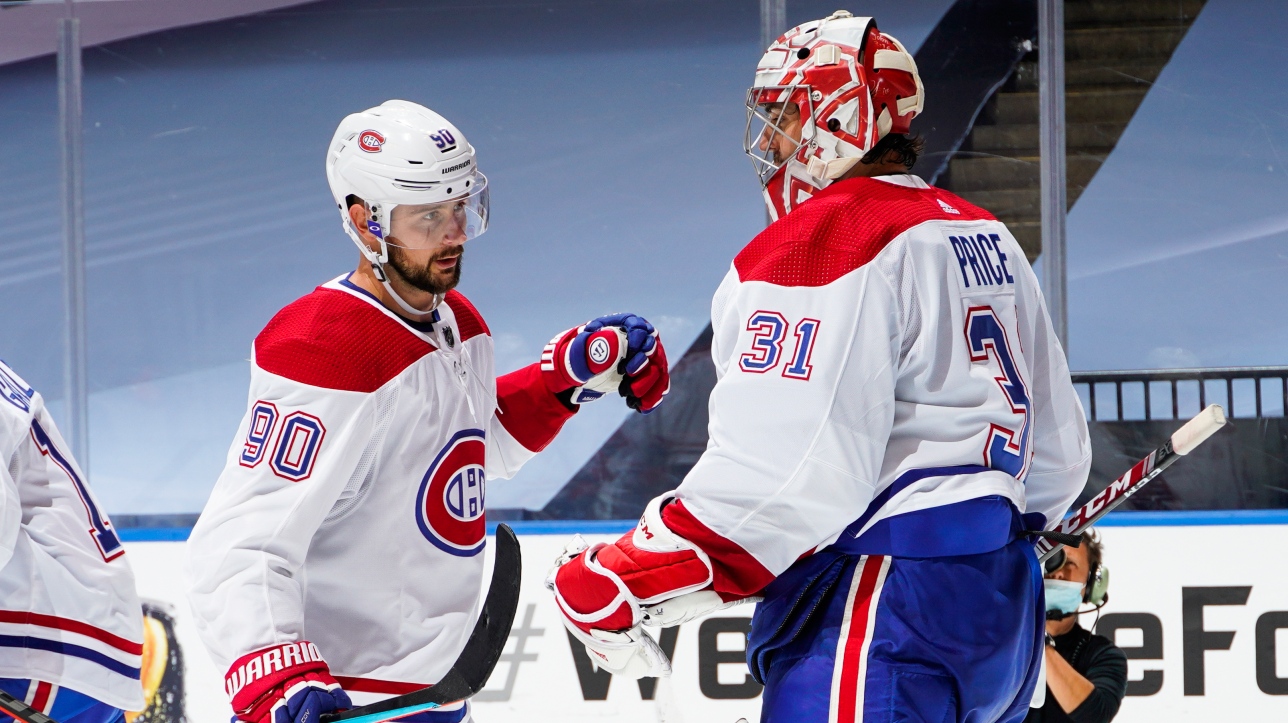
<point>594,358</point>
<point>647,378</point>
<point>691,606</point>
<point>630,653</point>
<point>287,683</point>
<point>606,592</point>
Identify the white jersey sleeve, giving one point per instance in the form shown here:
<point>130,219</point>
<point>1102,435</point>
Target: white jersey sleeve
<point>527,419</point>
<point>792,459</point>
<point>887,381</point>
<point>1061,443</point>
<point>69,613</point>
<point>10,502</point>
<point>268,504</point>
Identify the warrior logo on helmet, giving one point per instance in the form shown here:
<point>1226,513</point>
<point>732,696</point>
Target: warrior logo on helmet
<point>371,141</point>
<point>450,503</point>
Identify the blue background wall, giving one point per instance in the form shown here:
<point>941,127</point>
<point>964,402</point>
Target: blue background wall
<point>611,132</point>
<point>1178,249</point>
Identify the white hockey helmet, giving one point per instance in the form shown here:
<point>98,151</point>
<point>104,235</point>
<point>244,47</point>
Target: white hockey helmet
<point>402,153</point>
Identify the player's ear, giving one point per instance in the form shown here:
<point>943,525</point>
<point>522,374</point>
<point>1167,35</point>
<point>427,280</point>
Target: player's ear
<point>358,215</point>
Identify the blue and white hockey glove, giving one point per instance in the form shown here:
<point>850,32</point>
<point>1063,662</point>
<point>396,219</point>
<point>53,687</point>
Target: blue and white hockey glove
<point>618,352</point>
<point>287,683</point>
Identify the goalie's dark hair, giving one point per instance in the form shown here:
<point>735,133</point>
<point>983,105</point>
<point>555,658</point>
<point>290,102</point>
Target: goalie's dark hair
<point>905,150</point>
<point>351,200</point>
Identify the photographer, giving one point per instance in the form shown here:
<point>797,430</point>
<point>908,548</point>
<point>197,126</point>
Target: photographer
<point>1086,674</point>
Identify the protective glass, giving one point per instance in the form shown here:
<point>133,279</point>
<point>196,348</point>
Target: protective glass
<point>431,225</point>
<point>767,140</point>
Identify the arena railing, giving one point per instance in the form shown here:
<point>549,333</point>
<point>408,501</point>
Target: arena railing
<point>1216,385</point>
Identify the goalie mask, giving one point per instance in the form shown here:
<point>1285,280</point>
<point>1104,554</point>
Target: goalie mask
<point>845,85</point>
<point>416,174</point>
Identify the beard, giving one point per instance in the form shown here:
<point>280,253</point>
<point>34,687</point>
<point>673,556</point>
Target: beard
<point>425,277</point>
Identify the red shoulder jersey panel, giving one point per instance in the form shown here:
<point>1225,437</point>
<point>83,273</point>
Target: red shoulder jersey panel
<point>468,319</point>
<point>843,227</point>
<point>334,340</point>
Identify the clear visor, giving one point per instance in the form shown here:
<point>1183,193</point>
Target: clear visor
<point>433,225</point>
<point>775,126</point>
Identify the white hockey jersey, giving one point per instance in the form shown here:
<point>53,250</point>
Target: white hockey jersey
<point>888,382</point>
<point>350,512</point>
<point>69,613</point>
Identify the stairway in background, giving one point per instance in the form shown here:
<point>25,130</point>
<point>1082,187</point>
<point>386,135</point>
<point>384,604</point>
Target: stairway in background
<point>1114,50</point>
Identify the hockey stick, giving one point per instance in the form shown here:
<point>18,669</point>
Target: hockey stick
<point>1183,441</point>
<point>20,711</point>
<point>475,663</point>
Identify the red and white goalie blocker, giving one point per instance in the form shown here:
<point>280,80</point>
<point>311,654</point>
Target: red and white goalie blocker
<point>654,575</point>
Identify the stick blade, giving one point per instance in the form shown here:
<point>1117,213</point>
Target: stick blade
<point>1197,430</point>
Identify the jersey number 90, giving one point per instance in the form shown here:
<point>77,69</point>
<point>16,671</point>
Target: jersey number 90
<point>295,446</point>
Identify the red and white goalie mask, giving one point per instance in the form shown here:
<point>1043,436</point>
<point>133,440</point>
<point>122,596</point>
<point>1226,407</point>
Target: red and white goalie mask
<point>825,93</point>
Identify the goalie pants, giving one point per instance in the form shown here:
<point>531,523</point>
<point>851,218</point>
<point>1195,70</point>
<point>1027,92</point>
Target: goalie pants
<point>847,638</point>
<point>62,704</point>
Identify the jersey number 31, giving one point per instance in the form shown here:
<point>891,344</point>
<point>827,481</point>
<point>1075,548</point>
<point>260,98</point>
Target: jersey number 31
<point>1007,449</point>
<point>769,329</point>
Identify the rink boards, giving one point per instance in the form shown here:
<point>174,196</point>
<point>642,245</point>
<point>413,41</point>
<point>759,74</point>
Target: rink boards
<point>1176,593</point>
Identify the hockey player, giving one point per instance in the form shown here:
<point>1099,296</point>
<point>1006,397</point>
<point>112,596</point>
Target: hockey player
<point>338,560</point>
<point>892,415</point>
<point>71,627</point>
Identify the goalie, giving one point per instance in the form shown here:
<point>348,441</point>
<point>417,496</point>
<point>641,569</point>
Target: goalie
<point>892,413</point>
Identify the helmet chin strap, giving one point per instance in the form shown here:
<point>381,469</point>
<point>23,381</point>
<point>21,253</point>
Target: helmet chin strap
<point>378,261</point>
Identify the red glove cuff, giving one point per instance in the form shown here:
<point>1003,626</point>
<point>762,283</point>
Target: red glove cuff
<point>554,367</point>
<point>253,677</point>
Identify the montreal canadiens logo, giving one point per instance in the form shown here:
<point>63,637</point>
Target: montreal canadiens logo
<point>370,141</point>
<point>449,505</point>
